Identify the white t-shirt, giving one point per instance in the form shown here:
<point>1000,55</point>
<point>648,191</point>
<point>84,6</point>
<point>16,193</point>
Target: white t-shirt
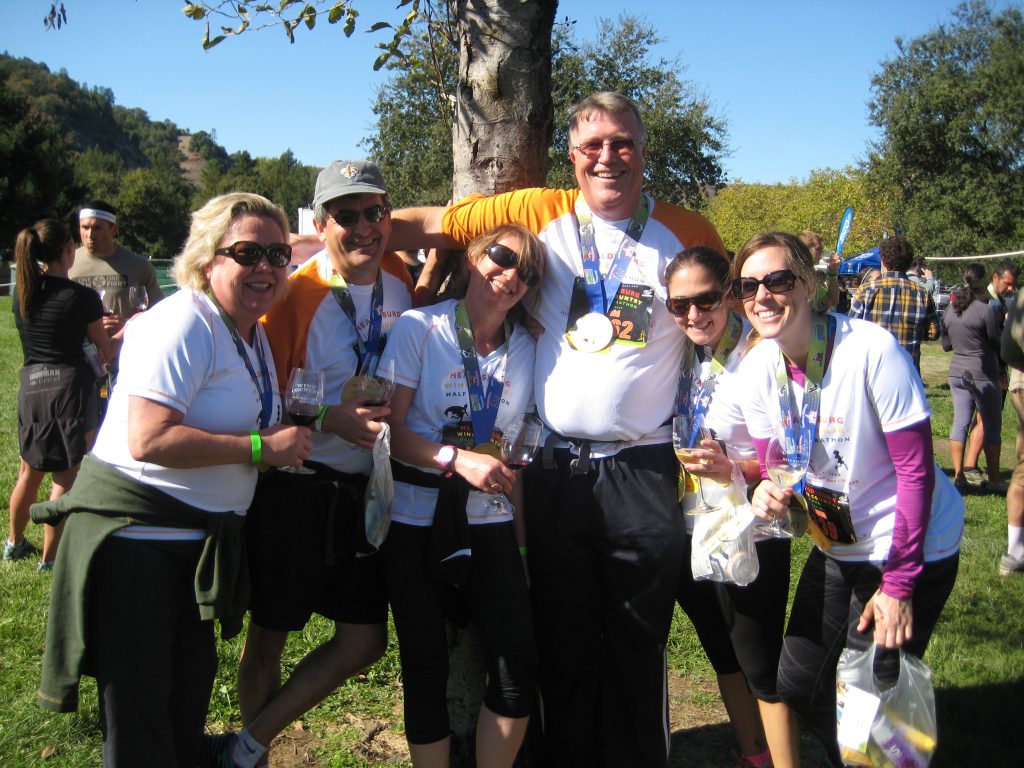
<point>427,358</point>
<point>870,388</point>
<point>180,354</point>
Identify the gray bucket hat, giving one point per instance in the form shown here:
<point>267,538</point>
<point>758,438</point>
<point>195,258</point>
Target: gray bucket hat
<point>348,177</point>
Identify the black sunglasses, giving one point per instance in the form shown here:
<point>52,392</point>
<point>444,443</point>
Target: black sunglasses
<point>704,302</point>
<point>348,217</point>
<point>779,281</point>
<point>506,258</point>
<point>249,254</point>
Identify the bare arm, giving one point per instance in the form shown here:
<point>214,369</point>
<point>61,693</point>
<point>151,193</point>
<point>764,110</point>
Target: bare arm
<point>413,228</point>
<point>157,435</point>
<point>108,346</point>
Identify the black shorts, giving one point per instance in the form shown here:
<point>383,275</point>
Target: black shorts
<point>57,408</point>
<point>304,541</point>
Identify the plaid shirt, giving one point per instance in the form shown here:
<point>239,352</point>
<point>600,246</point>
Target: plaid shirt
<point>901,306</point>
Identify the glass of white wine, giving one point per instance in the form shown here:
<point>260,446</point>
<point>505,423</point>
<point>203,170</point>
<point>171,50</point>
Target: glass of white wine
<point>786,460</point>
<point>681,430</point>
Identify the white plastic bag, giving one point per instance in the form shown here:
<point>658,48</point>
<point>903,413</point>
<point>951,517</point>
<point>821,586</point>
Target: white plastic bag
<point>380,490</point>
<point>723,541</point>
<point>891,728</point>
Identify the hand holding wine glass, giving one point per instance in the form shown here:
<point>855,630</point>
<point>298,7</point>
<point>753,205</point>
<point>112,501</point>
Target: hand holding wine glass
<point>303,398</point>
<point>138,298</point>
<point>786,460</point>
<point>378,389</point>
<point>687,454</point>
<point>519,445</point>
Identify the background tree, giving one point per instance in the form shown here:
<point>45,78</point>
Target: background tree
<point>951,157</point>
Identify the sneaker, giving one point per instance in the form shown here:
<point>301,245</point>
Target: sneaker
<point>999,488</point>
<point>1009,564</point>
<point>45,566</point>
<point>216,749</point>
<point>960,484</point>
<point>974,477</point>
<point>18,551</point>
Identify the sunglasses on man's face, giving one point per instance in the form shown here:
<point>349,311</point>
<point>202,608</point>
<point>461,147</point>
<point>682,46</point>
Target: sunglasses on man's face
<point>506,258</point>
<point>779,281</point>
<point>249,254</point>
<point>348,217</point>
<point>593,149</point>
<point>704,302</point>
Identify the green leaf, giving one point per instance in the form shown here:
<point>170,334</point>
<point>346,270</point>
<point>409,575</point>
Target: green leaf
<point>194,11</point>
<point>381,60</point>
<point>336,12</point>
<point>350,22</point>
<point>309,15</point>
<point>380,25</point>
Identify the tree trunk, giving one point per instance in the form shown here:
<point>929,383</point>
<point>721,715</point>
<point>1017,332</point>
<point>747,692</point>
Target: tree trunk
<point>503,115</point>
<point>500,140</point>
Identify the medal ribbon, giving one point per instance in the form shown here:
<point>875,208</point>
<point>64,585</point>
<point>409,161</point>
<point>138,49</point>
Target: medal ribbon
<point>601,291</point>
<point>483,407</point>
<point>370,351</point>
<point>823,329</point>
<point>697,406</point>
<point>265,392</point>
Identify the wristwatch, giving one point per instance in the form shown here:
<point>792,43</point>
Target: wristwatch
<point>446,459</point>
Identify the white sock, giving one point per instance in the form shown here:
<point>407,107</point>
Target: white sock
<point>1015,537</point>
<point>247,751</point>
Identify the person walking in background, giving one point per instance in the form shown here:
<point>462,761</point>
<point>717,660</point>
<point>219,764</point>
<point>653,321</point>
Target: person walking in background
<point>971,330</point>
<point>1012,352</point>
<point>154,549</point>
<point>897,303</point>
<point>57,410</point>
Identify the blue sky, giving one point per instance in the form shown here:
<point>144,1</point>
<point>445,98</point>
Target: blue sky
<point>790,77</point>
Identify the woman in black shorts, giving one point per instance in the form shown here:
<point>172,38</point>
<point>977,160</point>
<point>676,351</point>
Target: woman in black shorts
<point>57,408</point>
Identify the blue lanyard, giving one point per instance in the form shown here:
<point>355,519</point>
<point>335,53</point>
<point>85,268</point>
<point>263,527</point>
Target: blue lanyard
<point>483,407</point>
<point>601,291</point>
<point>696,407</point>
<point>368,352</point>
<point>265,390</point>
<point>823,329</point>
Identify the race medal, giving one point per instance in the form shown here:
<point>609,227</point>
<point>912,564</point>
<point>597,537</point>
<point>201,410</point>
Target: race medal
<point>489,449</point>
<point>592,333</point>
<point>354,387</point>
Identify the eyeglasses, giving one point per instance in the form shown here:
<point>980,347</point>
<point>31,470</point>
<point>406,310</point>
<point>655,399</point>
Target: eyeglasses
<point>780,281</point>
<point>592,149</point>
<point>249,254</point>
<point>506,258</point>
<point>348,217</point>
<point>704,302</point>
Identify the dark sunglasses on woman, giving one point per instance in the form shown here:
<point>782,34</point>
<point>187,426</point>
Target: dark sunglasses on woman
<point>704,302</point>
<point>248,254</point>
<point>506,258</point>
<point>779,281</point>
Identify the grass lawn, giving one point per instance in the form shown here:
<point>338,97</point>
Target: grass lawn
<point>977,652</point>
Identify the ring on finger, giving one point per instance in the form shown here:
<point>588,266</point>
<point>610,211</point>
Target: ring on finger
<point>495,486</point>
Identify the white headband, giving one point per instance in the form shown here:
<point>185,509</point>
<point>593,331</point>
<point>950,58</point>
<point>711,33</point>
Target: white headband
<point>94,213</point>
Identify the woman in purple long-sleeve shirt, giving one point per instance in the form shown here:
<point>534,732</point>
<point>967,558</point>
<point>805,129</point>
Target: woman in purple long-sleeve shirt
<point>887,526</point>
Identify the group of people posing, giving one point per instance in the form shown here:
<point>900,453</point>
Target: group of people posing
<point>600,313</point>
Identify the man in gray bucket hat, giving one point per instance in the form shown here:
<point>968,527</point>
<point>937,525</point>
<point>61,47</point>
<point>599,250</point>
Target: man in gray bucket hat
<point>305,532</point>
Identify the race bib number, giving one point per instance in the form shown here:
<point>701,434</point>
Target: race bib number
<point>830,510</point>
<point>630,313</point>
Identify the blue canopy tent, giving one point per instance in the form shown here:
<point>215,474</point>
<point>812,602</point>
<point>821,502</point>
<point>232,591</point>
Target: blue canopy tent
<point>857,264</point>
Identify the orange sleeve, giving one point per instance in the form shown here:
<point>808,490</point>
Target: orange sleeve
<point>287,323</point>
<point>534,208</point>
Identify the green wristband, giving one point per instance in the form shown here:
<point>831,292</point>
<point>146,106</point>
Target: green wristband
<point>256,443</point>
<point>321,413</point>
<point>522,550</point>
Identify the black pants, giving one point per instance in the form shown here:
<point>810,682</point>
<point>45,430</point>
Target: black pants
<point>153,658</point>
<point>497,598</point>
<point>829,600</point>
<point>605,552</point>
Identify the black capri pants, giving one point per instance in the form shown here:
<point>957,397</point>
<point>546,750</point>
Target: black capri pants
<point>497,598</point>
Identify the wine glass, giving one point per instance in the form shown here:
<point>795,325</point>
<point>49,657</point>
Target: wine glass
<point>109,298</point>
<point>519,445</point>
<point>379,388</point>
<point>303,399</point>
<point>786,461</point>
<point>138,298</point>
<point>681,430</point>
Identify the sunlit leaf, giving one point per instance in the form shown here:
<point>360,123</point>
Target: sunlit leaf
<point>379,25</point>
<point>194,11</point>
<point>336,12</point>
<point>381,60</point>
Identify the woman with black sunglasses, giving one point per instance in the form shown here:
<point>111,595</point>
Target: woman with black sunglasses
<point>886,525</point>
<point>740,628</point>
<point>464,375</point>
<point>153,551</point>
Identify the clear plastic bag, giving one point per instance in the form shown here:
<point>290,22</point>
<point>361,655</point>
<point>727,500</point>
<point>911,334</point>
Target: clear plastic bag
<point>723,540</point>
<point>891,728</point>
<point>380,490</point>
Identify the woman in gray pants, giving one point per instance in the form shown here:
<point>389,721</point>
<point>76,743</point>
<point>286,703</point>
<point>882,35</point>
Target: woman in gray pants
<point>971,328</point>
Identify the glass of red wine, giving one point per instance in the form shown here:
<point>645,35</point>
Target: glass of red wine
<point>303,399</point>
<point>379,388</point>
<point>519,445</point>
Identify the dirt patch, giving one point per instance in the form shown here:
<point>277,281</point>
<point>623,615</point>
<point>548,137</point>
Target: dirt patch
<point>701,734</point>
